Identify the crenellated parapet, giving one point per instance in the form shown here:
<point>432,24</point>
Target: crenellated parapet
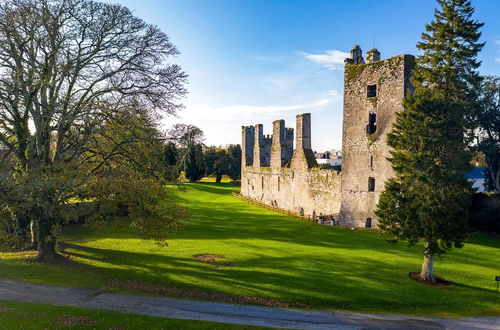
<point>276,150</point>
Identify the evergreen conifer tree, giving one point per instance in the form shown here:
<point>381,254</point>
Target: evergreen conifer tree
<point>195,163</point>
<point>428,198</point>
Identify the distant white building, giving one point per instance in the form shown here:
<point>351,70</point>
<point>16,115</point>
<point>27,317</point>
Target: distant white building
<point>332,158</point>
<point>336,161</point>
<point>478,178</point>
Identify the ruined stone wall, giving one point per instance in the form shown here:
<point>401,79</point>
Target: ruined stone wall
<point>365,153</point>
<point>292,180</point>
<point>310,190</point>
<point>373,94</point>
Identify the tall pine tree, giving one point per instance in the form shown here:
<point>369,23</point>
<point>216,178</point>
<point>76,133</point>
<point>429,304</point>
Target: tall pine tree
<point>429,196</point>
<point>195,163</point>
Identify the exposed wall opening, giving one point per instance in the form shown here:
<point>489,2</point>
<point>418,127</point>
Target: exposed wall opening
<point>372,123</point>
<point>262,182</point>
<point>371,91</point>
<point>279,181</point>
<point>371,184</point>
<point>368,223</point>
<point>371,161</point>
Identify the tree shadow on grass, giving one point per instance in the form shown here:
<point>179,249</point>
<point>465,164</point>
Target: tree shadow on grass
<point>213,188</point>
<point>484,239</point>
<point>334,282</point>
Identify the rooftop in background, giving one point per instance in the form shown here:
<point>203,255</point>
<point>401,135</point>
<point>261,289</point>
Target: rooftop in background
<point>477,173</point>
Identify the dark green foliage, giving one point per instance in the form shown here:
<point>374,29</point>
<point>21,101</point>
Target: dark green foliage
<point>217,163</point>
<point>170,154</point>
<point>221,162</point>
<point>234,170</point>
<point>450,45</point>
<point>171,160</point>
<point>485,212</point>
<point>429,196</point>
<point>487,129</point>
<point>195,163</point>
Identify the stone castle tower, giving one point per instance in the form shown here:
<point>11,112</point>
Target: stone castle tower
<point>275,173</point>
<point>373,93</point>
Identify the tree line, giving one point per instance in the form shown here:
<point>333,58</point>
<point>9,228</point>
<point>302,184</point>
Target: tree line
<point>185,152</point>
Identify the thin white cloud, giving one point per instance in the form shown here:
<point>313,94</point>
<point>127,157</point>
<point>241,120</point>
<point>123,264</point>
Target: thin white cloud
<point>497,60</point>
<point>258,111</point>
<point>332,59</point>
<point>221,125</point>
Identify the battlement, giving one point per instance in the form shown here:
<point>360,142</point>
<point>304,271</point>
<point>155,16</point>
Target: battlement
<point>276,150</point>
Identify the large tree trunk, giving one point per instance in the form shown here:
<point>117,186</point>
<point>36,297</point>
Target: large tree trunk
<point>218,178</point>
<point>46,242</point>
<point>427,273</point>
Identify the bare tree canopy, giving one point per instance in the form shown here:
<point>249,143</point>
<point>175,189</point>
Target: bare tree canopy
<point>81,83</point>
<point>66,65</point>
<point>185,135</point>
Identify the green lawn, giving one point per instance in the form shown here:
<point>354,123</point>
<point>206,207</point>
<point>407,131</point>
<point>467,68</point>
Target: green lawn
<point>275,257</point>
<point>14,315</point>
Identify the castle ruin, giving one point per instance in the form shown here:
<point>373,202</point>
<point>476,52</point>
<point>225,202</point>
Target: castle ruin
<point>275,173</point>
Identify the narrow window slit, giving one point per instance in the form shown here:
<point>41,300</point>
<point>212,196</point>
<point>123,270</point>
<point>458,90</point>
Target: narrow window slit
<point>371,91</point>
<point>371,184</point>
<point>372,123</point>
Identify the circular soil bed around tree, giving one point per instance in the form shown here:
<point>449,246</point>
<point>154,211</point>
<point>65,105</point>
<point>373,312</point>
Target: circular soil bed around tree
<point>217,260</point>
<point>439,281</point>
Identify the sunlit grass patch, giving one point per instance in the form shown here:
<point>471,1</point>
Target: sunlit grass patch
<point>274,257</point>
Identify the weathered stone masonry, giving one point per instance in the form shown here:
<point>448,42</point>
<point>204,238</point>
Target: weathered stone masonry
<point>293,180</point>
<point>275,174</point>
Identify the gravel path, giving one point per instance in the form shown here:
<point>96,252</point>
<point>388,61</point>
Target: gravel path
<point>11,290</point>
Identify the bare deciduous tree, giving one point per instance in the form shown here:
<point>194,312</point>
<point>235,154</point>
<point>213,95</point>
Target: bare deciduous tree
<point>66,66</point>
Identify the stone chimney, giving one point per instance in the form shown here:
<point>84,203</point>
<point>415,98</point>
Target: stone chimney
<point>303,155</point>
<point>257,149</point>
<point>277,143</point>
<point>372,55</point>
<point>247,145</point>
<point>356,56</point>
<point>303,138</point>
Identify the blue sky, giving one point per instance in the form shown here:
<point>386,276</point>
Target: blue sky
<point>256,61</point>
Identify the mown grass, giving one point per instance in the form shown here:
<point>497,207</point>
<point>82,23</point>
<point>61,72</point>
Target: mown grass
<point>15,315</point>
<point>276,257</point>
